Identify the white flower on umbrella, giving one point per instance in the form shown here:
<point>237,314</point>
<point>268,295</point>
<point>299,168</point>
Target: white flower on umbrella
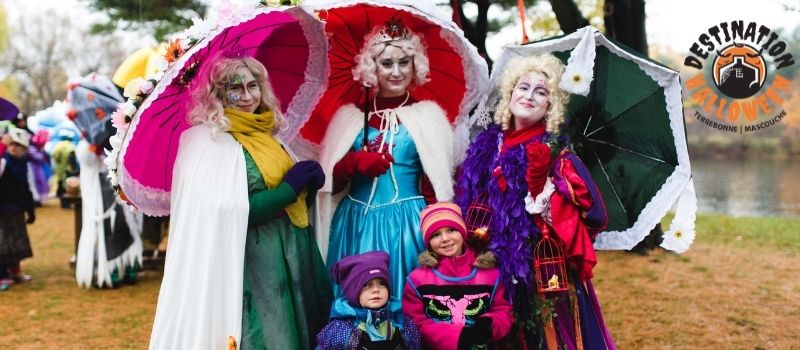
<point>576,81</point>
<point>679,237</point>
<point>579,73</point>
<point>129,108</point>
<point>132,88</point>
<point>681,232</point>
<point>146,87</point>
<point>200,28</point>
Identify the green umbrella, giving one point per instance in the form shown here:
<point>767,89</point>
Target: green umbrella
<point>627,126</point>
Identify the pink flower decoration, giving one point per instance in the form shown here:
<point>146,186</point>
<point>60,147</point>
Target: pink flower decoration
<point>118,118</point>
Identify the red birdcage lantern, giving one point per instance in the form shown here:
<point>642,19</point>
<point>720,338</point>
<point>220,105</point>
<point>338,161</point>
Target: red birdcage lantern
<point>479,214</point>
<point>550,264</point>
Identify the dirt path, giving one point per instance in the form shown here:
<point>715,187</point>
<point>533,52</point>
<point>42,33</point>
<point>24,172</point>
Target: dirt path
<point>716,296</point>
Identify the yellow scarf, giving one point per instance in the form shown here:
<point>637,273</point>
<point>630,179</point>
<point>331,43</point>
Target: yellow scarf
<point>254,133</point>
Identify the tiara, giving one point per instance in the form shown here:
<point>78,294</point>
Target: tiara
<point>393,29</point>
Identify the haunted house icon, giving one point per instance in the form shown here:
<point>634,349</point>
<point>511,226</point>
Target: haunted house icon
<point>739,71</point>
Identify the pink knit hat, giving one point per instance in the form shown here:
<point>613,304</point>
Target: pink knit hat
<point>438,215</point>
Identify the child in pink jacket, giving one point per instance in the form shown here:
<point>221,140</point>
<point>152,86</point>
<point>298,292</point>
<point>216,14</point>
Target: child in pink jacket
<point>455,297</point>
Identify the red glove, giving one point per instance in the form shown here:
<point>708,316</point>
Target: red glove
<point>370,164</point>
<point>538,155</point>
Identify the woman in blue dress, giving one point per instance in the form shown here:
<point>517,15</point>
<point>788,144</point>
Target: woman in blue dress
<point>379,187</point>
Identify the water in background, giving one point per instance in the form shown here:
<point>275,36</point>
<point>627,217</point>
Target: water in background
<point>747,187</point>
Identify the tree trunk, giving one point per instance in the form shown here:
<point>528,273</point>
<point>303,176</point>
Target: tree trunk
<point>624,21</point>
<point>476,32</point>
<point>568,15</point>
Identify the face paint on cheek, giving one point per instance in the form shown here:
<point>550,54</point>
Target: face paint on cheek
<point>232,98</point>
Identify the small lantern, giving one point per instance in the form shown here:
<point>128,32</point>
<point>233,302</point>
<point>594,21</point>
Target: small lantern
<point>550,264</point>
<point>479,214</point>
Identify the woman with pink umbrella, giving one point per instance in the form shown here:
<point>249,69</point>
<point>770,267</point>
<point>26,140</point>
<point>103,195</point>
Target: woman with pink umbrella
<point>239,209</point>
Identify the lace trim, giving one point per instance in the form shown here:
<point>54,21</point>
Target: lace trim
<point>149,200</point>
<point>309,93</point>
<point>675,184</point>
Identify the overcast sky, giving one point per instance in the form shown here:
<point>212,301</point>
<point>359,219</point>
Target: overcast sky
<point>672,23</point>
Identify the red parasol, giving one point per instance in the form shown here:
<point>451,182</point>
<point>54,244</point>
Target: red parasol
<point>458,74</point>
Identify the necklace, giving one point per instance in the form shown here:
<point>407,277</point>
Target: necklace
<point>381,112</point>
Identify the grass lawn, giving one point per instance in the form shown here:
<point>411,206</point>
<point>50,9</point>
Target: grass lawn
<point>737,288</point>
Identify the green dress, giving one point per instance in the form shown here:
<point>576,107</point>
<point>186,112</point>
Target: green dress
<point>287,293</point>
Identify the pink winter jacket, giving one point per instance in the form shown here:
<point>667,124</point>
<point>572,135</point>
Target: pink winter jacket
<point>443,296</point>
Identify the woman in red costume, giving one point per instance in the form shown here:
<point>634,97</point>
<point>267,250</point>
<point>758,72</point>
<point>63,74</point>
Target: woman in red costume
<point>522,169</point>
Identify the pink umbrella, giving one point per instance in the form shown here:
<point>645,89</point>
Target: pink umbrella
<point>291,43</point>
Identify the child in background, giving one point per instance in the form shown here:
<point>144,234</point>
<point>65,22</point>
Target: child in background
<point>455,297</point>
<point>15,200</point>
<point>364,318</point>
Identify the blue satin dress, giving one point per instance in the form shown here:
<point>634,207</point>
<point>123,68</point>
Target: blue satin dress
<point>391,221</point>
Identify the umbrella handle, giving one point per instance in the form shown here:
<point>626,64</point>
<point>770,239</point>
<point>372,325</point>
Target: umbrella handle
<point>366,117</point>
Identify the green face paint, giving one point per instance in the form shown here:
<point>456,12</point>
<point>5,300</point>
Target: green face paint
<point>237,79</point>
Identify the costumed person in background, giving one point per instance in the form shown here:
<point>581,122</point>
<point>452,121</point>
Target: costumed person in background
<point>366,317</point>
<point>109,250</point>
<point>406,162</point>
<point>40,169</point>
<point>16,200</point>
<point>243,264</point>
<point>455,297</point>
<point>139,65</point>
<point>536,187</point>
<point>65,163</point>
<point>21,122</point>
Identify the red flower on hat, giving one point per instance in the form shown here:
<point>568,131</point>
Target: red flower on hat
<point>72,114</point>
<point>99,113</point>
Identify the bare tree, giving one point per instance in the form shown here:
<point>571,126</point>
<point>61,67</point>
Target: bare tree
<point>46,48</point>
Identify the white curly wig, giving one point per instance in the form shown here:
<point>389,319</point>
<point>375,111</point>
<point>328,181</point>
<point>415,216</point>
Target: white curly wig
<point>365,70</point>
<point>549,66</point>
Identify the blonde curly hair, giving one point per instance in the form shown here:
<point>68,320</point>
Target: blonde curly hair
<point>208,95</point>
<point>366,68</point>
<point>549,66</point>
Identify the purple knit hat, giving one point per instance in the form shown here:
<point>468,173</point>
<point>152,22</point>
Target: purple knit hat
<point>354,271</point>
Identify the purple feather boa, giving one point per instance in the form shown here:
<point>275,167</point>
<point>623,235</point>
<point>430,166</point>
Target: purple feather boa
<point>513,233</point>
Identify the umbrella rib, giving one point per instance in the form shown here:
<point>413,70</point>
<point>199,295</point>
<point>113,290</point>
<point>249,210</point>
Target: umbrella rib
<point>101,93</point>
<point>436,95</point>
<point>447,74</point>
<point>627,150</point>
<point>262,27</point>
<point>347,25</point>
<point>168,118</point>
<point>443,50</point>
<point>342,56</point>
<point>619,114</point>
<point>287,71</point>
<point>610,184</point>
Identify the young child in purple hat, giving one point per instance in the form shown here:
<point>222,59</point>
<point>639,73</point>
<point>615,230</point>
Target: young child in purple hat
<point>455,297</point>
<point>366,317</point>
